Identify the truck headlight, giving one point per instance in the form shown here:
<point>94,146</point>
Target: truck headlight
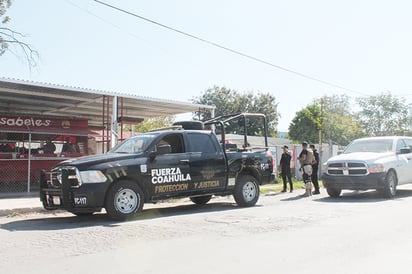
<point>92,176</point>
<point>376,168</point>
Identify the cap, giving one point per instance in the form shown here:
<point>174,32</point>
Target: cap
<point>285,146</point>
<point>304,143</point>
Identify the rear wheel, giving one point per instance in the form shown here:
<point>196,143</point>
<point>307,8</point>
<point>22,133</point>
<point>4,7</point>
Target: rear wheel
<point>124,199</point>
<point>246,191</point>
<point>201,200</point>
<point>389,188</point>
<point>333,192</point>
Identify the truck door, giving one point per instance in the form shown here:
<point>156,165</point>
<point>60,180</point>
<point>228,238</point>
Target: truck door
<point>405,162</point>
<point>170,174</point>
<point>207,163</point>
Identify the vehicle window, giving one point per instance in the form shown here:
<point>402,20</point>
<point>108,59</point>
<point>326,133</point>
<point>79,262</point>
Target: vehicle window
<point>400,144</point>
<point>408,142</point>
<point>134,144</point>
<point>174,140</point>
<point>378,145</point>
<point>201,143</point>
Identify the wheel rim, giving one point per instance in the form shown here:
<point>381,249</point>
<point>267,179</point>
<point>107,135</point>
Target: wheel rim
<point>249,191</point>
<point>126,201</point>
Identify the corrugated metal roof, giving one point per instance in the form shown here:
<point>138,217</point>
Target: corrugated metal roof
<point>20,97</point>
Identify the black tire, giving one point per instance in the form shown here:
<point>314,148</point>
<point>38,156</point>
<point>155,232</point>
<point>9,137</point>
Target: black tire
<point>333,192</point>
<point>201,200</point>
<point>83,214</point>
<point>246,191</point>
<point>124,199</point>
<point>389,188</point>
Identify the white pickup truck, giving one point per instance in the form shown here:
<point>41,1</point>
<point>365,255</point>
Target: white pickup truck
<point>380,163</point>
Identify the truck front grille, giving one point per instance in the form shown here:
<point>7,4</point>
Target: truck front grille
<point>56,177</point>
<point>348,168</point>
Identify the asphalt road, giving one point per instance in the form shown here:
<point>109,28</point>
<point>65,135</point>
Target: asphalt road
<point>285,233</point>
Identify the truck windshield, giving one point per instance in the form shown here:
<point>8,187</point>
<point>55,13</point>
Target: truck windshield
<point>134,144</point>
<point>368,145</point>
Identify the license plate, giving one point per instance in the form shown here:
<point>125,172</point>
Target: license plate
<point>80,200</point>
<point>56,200</point>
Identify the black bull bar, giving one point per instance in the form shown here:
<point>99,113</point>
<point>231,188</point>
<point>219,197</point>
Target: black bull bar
<point>49,192</point>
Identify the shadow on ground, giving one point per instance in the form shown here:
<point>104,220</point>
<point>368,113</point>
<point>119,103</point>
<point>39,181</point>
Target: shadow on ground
<point>370,196</point>
<point>59,222</point>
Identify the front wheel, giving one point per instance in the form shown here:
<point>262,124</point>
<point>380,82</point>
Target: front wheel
<point>333,192</point>
<point>389,188</point>
<point>83,214</point>
<point>201,200</point>
<point>124,199</point>
<point>246,191</point>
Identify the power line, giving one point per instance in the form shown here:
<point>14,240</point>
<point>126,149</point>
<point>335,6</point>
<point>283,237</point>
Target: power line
<point>110,23</point>
<point>231,50</point>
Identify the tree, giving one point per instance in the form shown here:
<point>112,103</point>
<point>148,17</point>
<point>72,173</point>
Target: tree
<point>331,116</point>
<point>151,124</point>
<point>225,101</point>
<point>383,114</point>
<point>338,124</point>
<point>306,124</point>
<point>10,40</point>
<point>229,101</point>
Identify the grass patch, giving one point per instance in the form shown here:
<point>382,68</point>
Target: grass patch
<point>277,186</point>
<point>13,214</point>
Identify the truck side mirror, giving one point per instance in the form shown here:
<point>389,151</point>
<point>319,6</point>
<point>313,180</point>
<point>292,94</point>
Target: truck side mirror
<point>405,150</point>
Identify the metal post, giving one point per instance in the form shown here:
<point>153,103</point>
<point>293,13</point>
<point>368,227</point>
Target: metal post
<point>121,121</point>
<point>103,125</point>
<point>114,133</point>
<point>107,123</point>
<point>212,115</point>
<point>29,164</point>
<point>320,164</point>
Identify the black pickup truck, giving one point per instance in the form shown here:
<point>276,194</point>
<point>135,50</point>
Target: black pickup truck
<point>162,164</point>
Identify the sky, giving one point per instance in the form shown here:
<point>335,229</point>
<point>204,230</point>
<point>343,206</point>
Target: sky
<point>309,49</point>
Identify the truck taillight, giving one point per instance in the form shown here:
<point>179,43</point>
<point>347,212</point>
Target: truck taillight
<point>272,160</point>
<point>273,163</point>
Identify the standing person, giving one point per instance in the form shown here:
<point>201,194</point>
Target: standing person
<point>315,167</point>
<point>305,159</point>
<point>68,147</point>
<point>285,169</point>
<point>49,147</point>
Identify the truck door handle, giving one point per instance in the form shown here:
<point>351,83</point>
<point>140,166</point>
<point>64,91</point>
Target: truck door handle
<point>185,162</point>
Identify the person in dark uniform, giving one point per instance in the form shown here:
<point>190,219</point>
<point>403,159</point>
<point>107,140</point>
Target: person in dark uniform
<point>69,147</point>
<point>49,147</point>
<point>315,167</point>
<point>285,169</point>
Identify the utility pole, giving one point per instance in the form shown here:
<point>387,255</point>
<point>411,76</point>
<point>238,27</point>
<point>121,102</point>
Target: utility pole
<point>320,136</point>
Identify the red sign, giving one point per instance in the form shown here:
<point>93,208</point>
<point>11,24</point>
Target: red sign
<point>29,123</point>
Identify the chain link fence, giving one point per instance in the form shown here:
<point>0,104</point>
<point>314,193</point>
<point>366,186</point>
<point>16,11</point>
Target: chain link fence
<point>22,175</point>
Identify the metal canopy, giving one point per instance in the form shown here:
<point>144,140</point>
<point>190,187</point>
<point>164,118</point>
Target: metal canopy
<point>19,97</point>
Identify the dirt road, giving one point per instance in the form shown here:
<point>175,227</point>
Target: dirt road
<point>284,233</point>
